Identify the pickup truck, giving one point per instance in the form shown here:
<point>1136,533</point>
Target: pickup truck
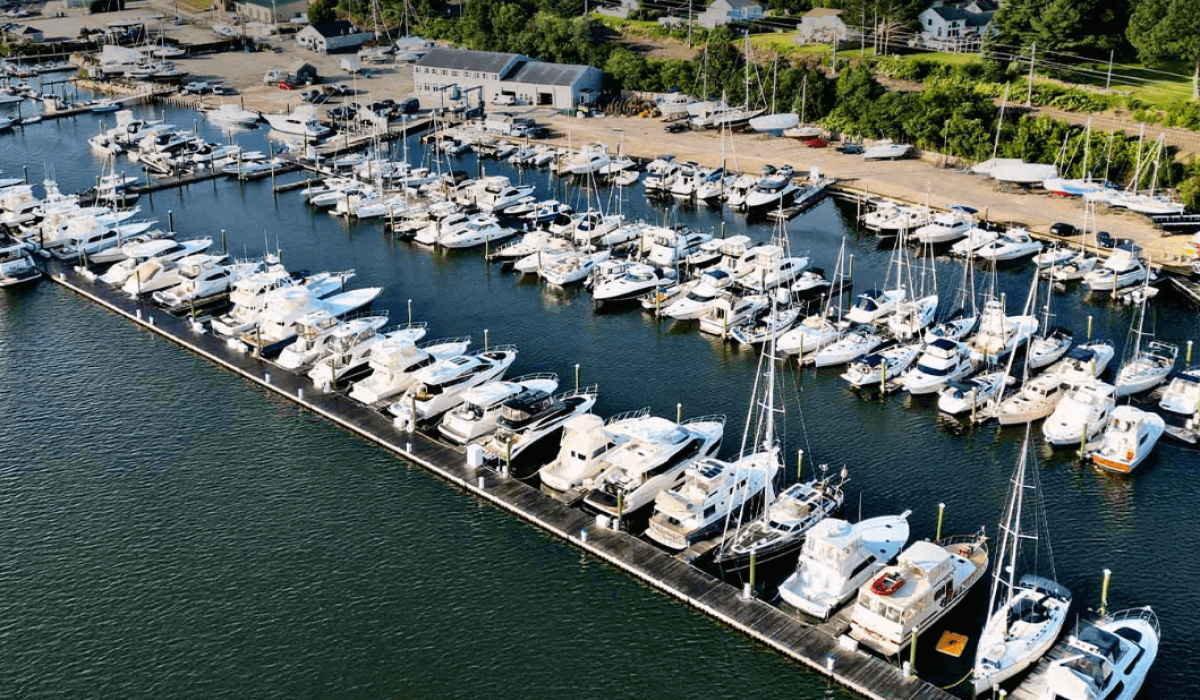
<point>196,87</point>
<point>273,76</point>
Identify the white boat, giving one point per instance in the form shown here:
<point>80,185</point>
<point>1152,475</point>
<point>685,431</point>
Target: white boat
<point>590,159</point>
<point>727,313</point>
<point>1013,244</point>
<point>976,238</point>
<point>886,150</point>
<point>1129,438</point>
<point>1182,394</point>
<point>1037,398</point>
<point>837,558</point>
<point>942,362</point>
<point>476,416</point>
<point>712,492</point>
<point>1049,347</point>
<point>496,198</point>
<point>660,174</point>
<point>878,367</point>
<point>529,423</point>
<point>855,343</point>
<point>251,293</point>
<point>590,449</point>
<point>475,232</point>
<point>1075,268</point>
<point>1083,361</point>
<point>926,582</point>
<point>633,282</point>
<point>946,226</point>
<point>1153,205</point>
<point>201,283</point>
<point>17,266</point>
<point>1081,413</point>
<point>1027,613</point>
<point>902,218</point>
<point>775,122</point>
<point>555,249</point>
<point>229,113</point>
<point>155,275</point>
<point>873,304</point>
<point>770,192</point>
<point>439,387</point>
<point>348,351</point>
<point>573,268</point>
<point>698,301</point>
<point>1123,268</point>
<point>1108,660</point>
<point>549,210</point>
<point>276,322</point>
<point>1018,172</point>
<point>913,316</point>
<point>1148,367</point>
<point>999,333</point>
<point>165,250</point>
<point>592,226</point>
<point>1053,256</point>
<point>669,248</point>
<point>302,121</point>
<point>971,394</point>
<point>395,361</point>
<point>761,329</point>
<point>314,331</point>
<point>674,104</point>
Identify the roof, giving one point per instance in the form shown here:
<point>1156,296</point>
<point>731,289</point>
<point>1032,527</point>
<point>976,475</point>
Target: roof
<point>465,59</point>
<point>29,30</point>
<point>336,28</point>
<point>823,12</point>
<point>743,4</point>
<point>970,19</point>
<point>538,73</point>
<point>301,65</point>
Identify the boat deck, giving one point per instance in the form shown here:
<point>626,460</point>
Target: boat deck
<point>1034,684</point>
<point>806,644</point>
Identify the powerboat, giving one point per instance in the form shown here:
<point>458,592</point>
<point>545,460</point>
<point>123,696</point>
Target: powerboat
<point>1013,244</point>
<point>1048,348</point>
<point>727,313</point>
<point>925,583</point>
<point>999,334</point>
<point>154,275</point>
<point>1182,394</point>
<point>1107,660</point>
<point>661,174</point>
<point>912,317</point>
<point>527,423</point>
<point>229,113</point>
<point>276,323</point>
<point>635,281</point>
<point>251,293</point>
<point>315,330</point>
<point>976,238</point>
<point>876,367</point>
<point>957,326</point>
<point>347,354</point>
<point>806,338</point>
<point>302,121</point>
<point>873,304</point>
<point>17,266</point>
<point>163,250</point>
<point>573,268</point>
<point>960,397</point>
<point>947,226</point>
<point>1123,268</point>
<point>475,232</point>
<point>837,558</point>
<point>766,326</point>
<point>771,191</point>
<point>1037,398</point>
<point>439,387</point>
<point>476,416</point>
<point>590,159</point>
<point>202,283</point>
<point>886,150</point>
<point>1083,361</point>
<point>942,362</point>
<point>1129,438</point>
<point>394,363</point>
<point>1081,413</point>
<point>698,301</point>
<point>592,226</point>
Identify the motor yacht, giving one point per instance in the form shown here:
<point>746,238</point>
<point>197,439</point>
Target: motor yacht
<point>878,367</point>
<point>969,395</point>
<point>475,232</point>
<point>1123,268</point>
<point>276,323</point>
<point>232,114</point>
<point>1054,256</point>
<point>766,267</point>
<point>807,338</point>
<point>727,313</point>
<point>590,159</point>
<point>633,282</point>
<point>904,219</point>
<point>302,121</point>
<point>548,210</point>
<point>1036,399</point>
<point>203,283</point>
<point>947,226</point>
<point>976,238</point>
<point>315,330</point>
<point>154,275</point>
<point>476,416</point>
<point>855,343</point>
<point>999,334</point>
<point>1075,268</point>
<point>17,266</point>
<point>1129,438</point>
<point>771,192</point>
<point>942,362</point>
<point>394,363</point>
<point>873,304</point>
<point>592,226</point>
<point>912,317</point>
<point>556,249</point>
<point>163,250</point>
<point>573,268</point>
<point>957,326</point>
<point>528,244</point>
<point>251,293</point>
<point>1013,244</point>
<point>1107,660</point>
<point>926,582</point>
<point>1081,413</point>
<point>498,197</point>
<point>346,354</point>
<point>1182,394</point>
<point>661,174</point>
<point>698,301</point>
<point>766,326</point>
<point>530,424</point>
<point>837,558</point>
<point>439,387</point>
<point>1083,361</point>
<point>591,447</point>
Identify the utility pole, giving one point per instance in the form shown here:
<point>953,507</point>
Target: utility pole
<point>689,24</point>
<point>1108,79</point>
<point>1032,58</point>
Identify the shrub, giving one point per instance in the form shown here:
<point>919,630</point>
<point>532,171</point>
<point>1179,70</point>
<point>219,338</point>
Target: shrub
<point>98,6</point>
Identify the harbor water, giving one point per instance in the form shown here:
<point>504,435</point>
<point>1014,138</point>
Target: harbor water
<point>170,529</point>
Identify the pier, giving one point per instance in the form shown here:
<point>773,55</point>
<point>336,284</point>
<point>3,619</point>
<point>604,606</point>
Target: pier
<point>809,645</point>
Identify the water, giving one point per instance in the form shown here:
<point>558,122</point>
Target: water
<point>156,544</point>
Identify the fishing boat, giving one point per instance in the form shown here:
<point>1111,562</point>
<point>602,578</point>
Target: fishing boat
<point>1081,413</point>
<point>17,266</point>
<point>1105,660</point>
<point>1129,438</point>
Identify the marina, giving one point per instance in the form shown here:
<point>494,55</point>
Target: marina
<point>756,617</point>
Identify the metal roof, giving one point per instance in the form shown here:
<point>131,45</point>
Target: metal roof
<point>464,59</point>
<point>538,73</point>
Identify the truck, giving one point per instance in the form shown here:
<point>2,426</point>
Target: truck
<point>351,65</point>
<point>273,76</point>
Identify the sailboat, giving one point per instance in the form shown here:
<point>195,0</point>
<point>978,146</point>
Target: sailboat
<point>1027,613</point>
<point>1144,367</point>
<point>775,122</point>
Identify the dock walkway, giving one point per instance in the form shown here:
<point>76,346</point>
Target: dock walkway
<point>766,624</point>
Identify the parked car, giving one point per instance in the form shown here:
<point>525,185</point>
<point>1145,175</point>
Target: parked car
<point>1063,229</point>
<point>408,105</point>
<point>850,149</point>
<point>816,143</point>
<point>196,87</point>
<point>1104,239</point>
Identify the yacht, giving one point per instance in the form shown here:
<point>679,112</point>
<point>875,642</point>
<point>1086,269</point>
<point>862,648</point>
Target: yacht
<point>477,231</point>
<point>1037,398</point>
<point>530,422</point>
<point>877,367</point>
<point>873,304</point>
<point>302,121</point>
<point>395,361</point>
<point>837,558</point>
<point>1027,613</point>
<point>556,249</point>
<point>497,197</point>
<point>592,227</point>
<point>315,330</point>
<point>759,330</point>
<point>231,114</point>
<point>590,159</point>
<point>727,313</point>
<point>251,293</point>
<point>476,416</point>
<point>439,387</point>
<point>999,334</point>
<point>276,321</point>
<point>1049,347</point>
<point>548,211</point>
<point>661,174</point>
<point>943,361</point>
<point>980,390</point>
<point>153,275</point>
<point>1108,660</point>
<point>1081,413</point>
<point>589,450</point>
<point>202,283</point>
<point>781,528</point>
<point>926,582</point>
<point>17,266</point>
<point>669,248</point>
<point>651,461</point>
<point>806,338</point>
<point>771,192</point>
<point>573,268</point>
<point>913,316</point>
<point>163,250</point>
<point>633,282</point>
<point>1129,438</point>
<point>1083,361</point>
<point>1123,268</point>
<point>1149,367</point>
<point>766,267</point>
<point>902,220</point>
<point>1013,244</point>
<point>854,344</point>
<point>1182,394</point>
<point>698,301</point>
<point>947,226</point>
<point>976,238</point>
<point>1076,268</point>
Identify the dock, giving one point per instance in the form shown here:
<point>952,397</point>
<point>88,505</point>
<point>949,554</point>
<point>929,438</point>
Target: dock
<point>1186,286</point>
<point>766,624</point>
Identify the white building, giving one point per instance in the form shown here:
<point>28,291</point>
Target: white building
<point>726,11</point>
<point>822,25</point>
<point>328,37</point>
<point>271,12</point>
<point>956,28</point>
<point>494,74</point>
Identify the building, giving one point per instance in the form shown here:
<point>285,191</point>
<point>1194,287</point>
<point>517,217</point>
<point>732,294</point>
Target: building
<point>271,11</point>
<point>301,73</point>
<point>329,37</point>
<point>514,77</point>
<point>956,27</point>
<point>26,35</point>
<point>726,11</point>
<point>822,25</point>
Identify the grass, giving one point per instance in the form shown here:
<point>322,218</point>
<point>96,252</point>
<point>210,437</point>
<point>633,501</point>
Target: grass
<point>197,5</point>
<point>641,27</point>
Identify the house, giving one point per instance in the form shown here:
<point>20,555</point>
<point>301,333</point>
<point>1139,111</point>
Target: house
<point>726,11</point>
<point>26,35</point>
<point>821,25</point>
<point>954,27</point>
<point>271,11</point>
<point>328,37</point>
<point>301,73</point>
<point>622,9</point>
<point>510,76</point>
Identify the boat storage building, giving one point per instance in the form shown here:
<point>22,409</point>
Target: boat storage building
<point>506,78</point>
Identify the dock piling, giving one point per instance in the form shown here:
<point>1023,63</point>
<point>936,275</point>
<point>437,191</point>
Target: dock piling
<point>799,464</point>
<point>170,220</point>
<point>576,376</point>
<point>1104,593</point>
<point>1188,361</point>
<point>410,312</point>
<point>941,512</point>
<point>1089,328</point>
<point>679,413</point>
<point>912,653</point>
<point>485,339</point>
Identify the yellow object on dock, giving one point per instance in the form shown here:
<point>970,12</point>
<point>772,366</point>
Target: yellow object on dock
<point>952,644</point>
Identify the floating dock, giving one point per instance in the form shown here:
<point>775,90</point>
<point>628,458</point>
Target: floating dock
<point>806,644</point>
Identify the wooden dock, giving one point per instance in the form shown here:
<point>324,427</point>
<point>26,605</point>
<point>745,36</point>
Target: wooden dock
<point>804,643</point>
<point>1186,286</point>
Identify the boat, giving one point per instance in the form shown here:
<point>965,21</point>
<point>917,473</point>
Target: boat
<point>439,387</point>
<point>975,239</point>
<point>590,159</point>
<point>1027,612</point>
<point>877,367</point>
<point>395,361</point>
<point>1081,413</point>
<point>673,105</point>
<point>872,305</point>
<point>17,266</point>
<point>727,313</point>
<point>276,322</point>
<point>853,344</point>
<point>202,283</point>
<point>1013,244</point>
<point>771,191</point>
<point>1123,268</point>
<point>1105,660</point>
<point>759,330</point>
<point>1083,361</point>
<point>943,361</point>
<point>231,114</point>
<point>476,231</point>
<point>164,250</point>
<point>633,282</point>
<point>633,438</point>
<point>528,423</point>
<point>1048,347</point>
<point>251,293</point>
<point>661,174</point>
<point>698,301</point>
<point>315,330</point>
<point>969,395</point>
<point>999,334</point>
<point>1129,438</point>
<point>1147,366</point>
<point>1037,398</point>
<point>476,416</point>
<point>902,218</point>
<point>947,226</point>
<point>302,121</point>
<point>775,122</point>
<point>925,583</point>
<point>548,211</point>
<point>572,268</point>
<point>886,150</point>
<point>1182,394</point>
<point>155,275</point>
<point>837,558</point>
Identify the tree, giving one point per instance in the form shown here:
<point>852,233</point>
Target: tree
<point>1086,26</point>
<point>320,11</point>
<point>1161,30</point>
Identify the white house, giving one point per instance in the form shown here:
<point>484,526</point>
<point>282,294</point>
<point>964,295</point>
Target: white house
<point>622,9</point>
<point>956,28</point>
<point>509,75</point>
<point>271,11</point>
<point>821,25</point>
<point>726,11</point>
<point>327,37</point>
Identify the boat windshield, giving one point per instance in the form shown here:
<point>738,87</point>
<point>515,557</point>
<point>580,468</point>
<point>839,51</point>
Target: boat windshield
<point>933,371</point>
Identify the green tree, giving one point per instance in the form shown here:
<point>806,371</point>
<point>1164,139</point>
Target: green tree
<point>1080,26</point>
<point>1161,30</point>
<point>321,11</point>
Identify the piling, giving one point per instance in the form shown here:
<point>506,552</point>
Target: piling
<point>941,512</point>
<point>410,312</point>
<point>1188,361</point>
<point>1104,593</point>
<point>1089,328</point>
<point>576,376</point>
<point>679,413</point>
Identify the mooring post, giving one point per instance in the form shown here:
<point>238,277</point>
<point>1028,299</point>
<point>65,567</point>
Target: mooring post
<point>679,412</point>
<point>410,312</point>
<point>1188,361</point>
<point>941,512</point>
<point>485,339</point>
<point>799,464</point>
<point>576,376</point>
<point>170,220</point>
<point>1104,593</point>
<point>753,568</point>
<point>912,653</point>
<point>1089,335</point>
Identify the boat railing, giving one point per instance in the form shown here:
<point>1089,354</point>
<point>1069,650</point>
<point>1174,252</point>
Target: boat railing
<point>590,390</point>
<point>974,540</point>
<point>627,415</point>
<point>496,348</point>
<point>414,326</point>
<point>536,376</point>
<point>710,418</point>
<point>1144,613</point>
<point>444,341</point>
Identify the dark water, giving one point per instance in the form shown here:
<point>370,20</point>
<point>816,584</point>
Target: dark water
<point>172,530</point>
